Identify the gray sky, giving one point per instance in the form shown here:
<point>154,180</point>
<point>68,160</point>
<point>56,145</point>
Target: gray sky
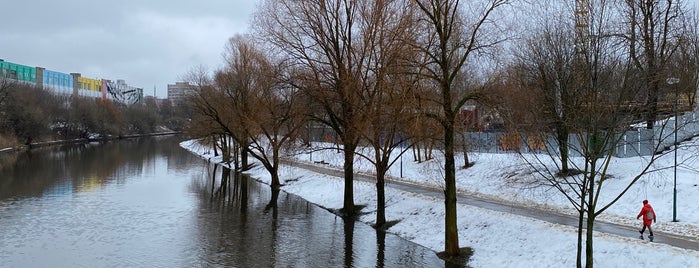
<point>148,43</point>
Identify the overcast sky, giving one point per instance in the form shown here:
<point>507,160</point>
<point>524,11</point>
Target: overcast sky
<point>147,43</point>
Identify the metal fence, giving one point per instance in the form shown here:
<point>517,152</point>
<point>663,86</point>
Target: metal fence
<point>635,142</point>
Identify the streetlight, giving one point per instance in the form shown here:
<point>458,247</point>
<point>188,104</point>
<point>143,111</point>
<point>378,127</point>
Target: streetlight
<point>310,142</point>
<point>674,81</point>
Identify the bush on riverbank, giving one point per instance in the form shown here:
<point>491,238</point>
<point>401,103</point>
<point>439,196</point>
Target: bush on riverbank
<point>30,114</point>
<point>7,141</point>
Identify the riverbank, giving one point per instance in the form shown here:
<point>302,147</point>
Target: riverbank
<point>82,140</point>
<point>498,239</point>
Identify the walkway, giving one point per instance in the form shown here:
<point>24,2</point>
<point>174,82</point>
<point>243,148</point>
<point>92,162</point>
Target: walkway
<point>558,218</point>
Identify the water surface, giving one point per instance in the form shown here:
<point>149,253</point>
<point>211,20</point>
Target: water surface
<point>148,203</point>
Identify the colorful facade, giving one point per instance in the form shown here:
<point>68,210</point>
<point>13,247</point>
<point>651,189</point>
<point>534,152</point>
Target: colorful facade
<point>58,82</point>
<point>89,87</point>
<point>18,72</point>
<point>72,84</point>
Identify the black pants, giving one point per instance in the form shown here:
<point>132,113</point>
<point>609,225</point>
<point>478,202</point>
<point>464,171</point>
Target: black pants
<point>649,229</point>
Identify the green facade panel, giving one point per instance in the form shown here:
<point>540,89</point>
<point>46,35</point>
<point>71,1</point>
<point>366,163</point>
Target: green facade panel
<point>18,72</point>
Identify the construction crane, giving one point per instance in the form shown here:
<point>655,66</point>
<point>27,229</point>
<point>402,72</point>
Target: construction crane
<point>582,29</point>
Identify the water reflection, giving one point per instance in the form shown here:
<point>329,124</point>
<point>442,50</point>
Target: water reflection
<point>349,225</point>
<point>97,205</point>
<point>279,229</point>
<point>381,248</point>
<point>75,168</point>
<point>148,203</point>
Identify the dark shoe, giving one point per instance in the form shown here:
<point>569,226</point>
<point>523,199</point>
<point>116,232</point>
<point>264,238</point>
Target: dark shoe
<point>641,237</point>
<point>651,238</point>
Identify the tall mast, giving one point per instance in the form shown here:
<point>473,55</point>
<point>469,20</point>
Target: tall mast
<point>582,29</point>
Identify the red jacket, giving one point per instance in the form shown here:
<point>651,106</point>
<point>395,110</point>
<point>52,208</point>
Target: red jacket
<point>644,212</point>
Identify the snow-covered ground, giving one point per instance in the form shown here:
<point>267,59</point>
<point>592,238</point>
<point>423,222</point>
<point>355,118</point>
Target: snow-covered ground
<point>506,240</point>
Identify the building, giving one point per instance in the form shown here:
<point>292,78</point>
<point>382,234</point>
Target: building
<point>178,92</point>
<point>86,87</point>
<point>57,82</point>
<point>18,72</point>
<point>73,84</point>
<point>121,92</point>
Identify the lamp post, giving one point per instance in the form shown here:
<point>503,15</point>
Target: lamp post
<point>310,142</point>
<point>674,81</point>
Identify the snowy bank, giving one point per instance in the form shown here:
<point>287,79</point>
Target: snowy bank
<point>498,239</point>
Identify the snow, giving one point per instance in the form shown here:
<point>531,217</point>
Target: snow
<point>505,240</point>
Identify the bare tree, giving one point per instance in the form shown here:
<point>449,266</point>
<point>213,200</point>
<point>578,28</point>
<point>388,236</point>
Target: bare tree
<point>451,39</point>
<point>388,30</point>
<point>250,102</point>
<point>424,131</point>
<point>5,86</point>
<point>684,64</point>
<point>654,34</point>
<point>232,89</point>
<point>212,118</point>
<point>272,114</point>
<point>26,112</point>
<point>321,36</point>
<point>545,66</point>
<point>600,105</point>
<point>83,115</point>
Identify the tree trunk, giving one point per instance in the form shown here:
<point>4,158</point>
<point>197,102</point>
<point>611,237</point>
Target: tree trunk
<point>273,201</point>
<point>276,183</point>
<point>236,159</point>
<point>225,150</point>
<point>465,148</point>
<point>213,142</point>
<point>225,175</point>
<point>348,204</point>
<point>428,150</point>
<point>562,137</point>
<point>419,156</point>
<point>590,213</point>
<point>244,156</point>
<point>451,239</point>
<point>275,178</point>
<point>588,243</point>
<point>652,104</point>
<point>581,222</point>
<point>652,74</point>
<point>380,195</point>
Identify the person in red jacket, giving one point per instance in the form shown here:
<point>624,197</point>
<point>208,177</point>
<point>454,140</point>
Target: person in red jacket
<point>648,215</point>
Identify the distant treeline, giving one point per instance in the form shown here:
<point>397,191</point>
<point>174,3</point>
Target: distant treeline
<point>29,114</point>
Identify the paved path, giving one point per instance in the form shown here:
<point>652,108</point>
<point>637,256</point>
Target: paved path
<point>549,216</point>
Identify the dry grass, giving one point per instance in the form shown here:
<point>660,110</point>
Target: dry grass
<point>8,141</point>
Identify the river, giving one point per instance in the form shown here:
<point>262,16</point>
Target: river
<point>149,203</point>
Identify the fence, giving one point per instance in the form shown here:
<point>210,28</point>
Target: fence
<point>634,142</point>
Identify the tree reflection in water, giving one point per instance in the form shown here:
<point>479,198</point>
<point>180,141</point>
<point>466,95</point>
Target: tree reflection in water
<point>260,227</point>
<point>148,202</point>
